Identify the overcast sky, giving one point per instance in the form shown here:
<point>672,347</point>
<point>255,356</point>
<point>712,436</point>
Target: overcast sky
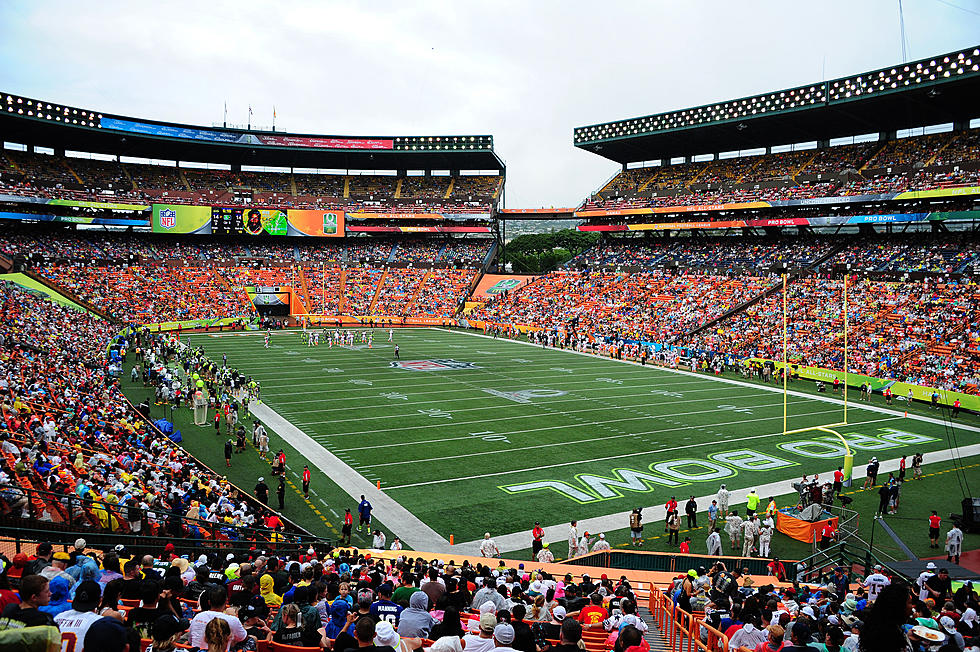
<point>527,72</point>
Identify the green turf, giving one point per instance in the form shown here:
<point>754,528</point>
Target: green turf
<point>450,467</point>
<point>325,496</point>
<point>937,490</point>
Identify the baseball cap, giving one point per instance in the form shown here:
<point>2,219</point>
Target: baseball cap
<point>947,623</point>
<point>487,622</point>
<point>166,626</point>
<point>930,566</point>
<point>559,613</point>
<point>106,634</point>
<point>87,596</point>
<point>504,633</point>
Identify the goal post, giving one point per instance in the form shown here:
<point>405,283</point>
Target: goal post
<point>829,428</point>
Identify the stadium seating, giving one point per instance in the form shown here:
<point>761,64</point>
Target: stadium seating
<point>914,163</point>
<point>101,466</point>
<point>44,175</point>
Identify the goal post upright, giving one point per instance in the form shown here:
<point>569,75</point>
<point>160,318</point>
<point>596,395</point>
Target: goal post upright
<point>829,428</point>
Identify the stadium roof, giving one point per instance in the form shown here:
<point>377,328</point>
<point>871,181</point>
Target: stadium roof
<point>936,90</point>
<point>36,122</point>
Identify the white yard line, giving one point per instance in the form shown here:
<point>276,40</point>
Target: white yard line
<point>519,416</point>
<point>653,517</point>
<point>730,381</point>
<point>570,442</point>
<point>618,457</point>
<point>405,525</point>
<point>482,396</point>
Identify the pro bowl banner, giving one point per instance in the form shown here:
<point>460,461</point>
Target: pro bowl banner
<point>492,285</point>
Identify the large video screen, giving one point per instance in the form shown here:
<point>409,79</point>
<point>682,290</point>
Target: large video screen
<point>246,220</point>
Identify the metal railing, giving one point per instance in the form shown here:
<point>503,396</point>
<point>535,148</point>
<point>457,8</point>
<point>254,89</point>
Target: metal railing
<point>820,565</point>
<point>71,513</point>
<point>674,562</point>
<point>683,631</point>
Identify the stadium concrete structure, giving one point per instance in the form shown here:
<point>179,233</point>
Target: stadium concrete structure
<point>201,232</point>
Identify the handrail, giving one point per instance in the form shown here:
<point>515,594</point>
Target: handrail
<point>679,627</point>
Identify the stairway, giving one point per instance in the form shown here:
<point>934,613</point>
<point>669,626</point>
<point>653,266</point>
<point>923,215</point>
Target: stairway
<point>654,637</point>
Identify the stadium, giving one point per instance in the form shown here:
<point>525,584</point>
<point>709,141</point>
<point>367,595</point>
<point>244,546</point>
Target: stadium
<point>250,375</point>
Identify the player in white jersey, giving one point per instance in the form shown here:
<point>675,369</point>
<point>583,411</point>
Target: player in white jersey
<point>391,335</point>
<point>74,623</point>
<point>875,582</point>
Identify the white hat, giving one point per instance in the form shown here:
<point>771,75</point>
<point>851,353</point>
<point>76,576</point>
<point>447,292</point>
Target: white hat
<point>488,607</point>
<point>602,536</point>
<point>808,610</point>
<point>947,623</point>
<point>385,634</point>
<point>261,479</point>
<point>931,566</point>
<point>80,544</point>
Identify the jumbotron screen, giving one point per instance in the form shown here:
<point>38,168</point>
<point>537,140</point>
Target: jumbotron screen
<point>246,220</point>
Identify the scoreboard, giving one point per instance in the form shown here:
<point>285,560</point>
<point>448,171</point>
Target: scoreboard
<point>249,221</point>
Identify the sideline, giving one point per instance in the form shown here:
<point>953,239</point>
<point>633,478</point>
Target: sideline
<point>654,516</point>
<point>403,524</point>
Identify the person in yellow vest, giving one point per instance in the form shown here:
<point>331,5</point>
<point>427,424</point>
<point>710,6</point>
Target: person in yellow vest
<point>771,508</point>
<point>752,503</point>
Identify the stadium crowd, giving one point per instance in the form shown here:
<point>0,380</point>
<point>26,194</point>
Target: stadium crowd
<point>343,599</point>
<point>913,163</point>
<point>33,174</point>
<point>76,452</point>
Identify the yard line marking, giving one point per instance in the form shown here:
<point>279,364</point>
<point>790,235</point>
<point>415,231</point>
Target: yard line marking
<point>541,406</point>
<point>515,432</point>
<point>403,523</point>
<point>448,424</point>
<point>599,459</point>
<point>568,442</point>
<point>741,383</point>
<point>479,396</point>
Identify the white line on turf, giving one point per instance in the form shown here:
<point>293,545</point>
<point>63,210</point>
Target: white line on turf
<point>402,522</point>
<point>542,428</point>
<point>481,396</point>
<point>656,514</point>
<point>732,381</point>
<point>569,442</point>
<point>545,406</point>
<point>451,424</point>
<point>609,457</point>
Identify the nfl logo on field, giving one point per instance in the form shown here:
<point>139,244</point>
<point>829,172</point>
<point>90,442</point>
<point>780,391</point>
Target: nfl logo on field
<point>168,218</point>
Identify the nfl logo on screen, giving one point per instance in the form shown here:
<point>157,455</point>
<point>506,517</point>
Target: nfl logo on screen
<point>168,218</point>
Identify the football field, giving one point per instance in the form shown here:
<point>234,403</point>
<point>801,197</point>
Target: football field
<point>473,434</point>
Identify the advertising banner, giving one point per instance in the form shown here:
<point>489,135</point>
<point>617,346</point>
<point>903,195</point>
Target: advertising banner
<point>113,206</point>
<point>900,390</point>
<point>325,143</point>
<point>71,219</point>
<point>397,216</point>
<point>418,229</point>
<point>241,137</point>
<point>175,218</point>
<point>492,285</point>
<point>327,223</point>
<point>778,203</point>
<point>830,220</point>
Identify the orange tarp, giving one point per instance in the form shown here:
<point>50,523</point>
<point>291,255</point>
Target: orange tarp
<point>799,529</point>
